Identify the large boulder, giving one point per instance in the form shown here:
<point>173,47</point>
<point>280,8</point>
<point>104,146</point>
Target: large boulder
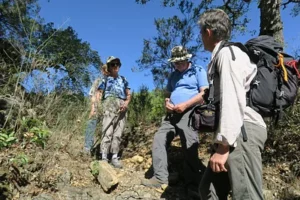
<point>107,176</point>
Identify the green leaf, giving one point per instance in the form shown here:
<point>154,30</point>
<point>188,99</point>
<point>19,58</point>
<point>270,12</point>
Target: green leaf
<point>11,139</point>
<point>3,137</point>
<point>11,134</point>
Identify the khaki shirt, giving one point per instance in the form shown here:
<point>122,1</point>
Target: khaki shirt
<point>235,78</point>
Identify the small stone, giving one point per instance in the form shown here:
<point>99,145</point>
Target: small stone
<point>164,186</point>
<point>137,159</point>
<point>268,195</point>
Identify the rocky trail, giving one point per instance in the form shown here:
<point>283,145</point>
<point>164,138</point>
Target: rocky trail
<point>63,171</point>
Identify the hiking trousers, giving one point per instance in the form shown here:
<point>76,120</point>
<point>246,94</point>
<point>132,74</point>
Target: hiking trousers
<point>113,125</point>
<point>172,125</point>
<point>244,166</point>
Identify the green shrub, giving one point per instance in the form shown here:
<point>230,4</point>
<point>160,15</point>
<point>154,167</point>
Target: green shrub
<point>20,160</point>
<point>7,138</point>
<point>34,131</point>
<point>40,136</point>
<point>146,107</point>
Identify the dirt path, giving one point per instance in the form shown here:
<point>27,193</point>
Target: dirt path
<point>62,171</point>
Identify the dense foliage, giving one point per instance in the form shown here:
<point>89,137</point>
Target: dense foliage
<point>27,44</point>
<point>146,106</point>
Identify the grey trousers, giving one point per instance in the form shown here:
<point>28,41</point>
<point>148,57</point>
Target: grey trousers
<point>172,125</point>
<point>244,165</point>
<point>113,125</point>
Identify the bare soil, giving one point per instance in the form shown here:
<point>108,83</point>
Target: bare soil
<point>62,170</point>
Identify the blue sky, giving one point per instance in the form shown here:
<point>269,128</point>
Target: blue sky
<point>118,27</point>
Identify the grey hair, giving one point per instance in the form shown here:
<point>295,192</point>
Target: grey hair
<point>218,22</point>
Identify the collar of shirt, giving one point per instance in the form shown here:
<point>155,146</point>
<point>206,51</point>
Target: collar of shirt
<point>213,54</point>
<point>114,78</point>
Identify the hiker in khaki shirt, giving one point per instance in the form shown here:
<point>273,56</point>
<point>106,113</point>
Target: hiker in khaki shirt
<point>235,163</point>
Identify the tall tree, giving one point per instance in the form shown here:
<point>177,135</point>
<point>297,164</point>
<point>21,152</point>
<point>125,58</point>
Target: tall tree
<point>16,17</point>
<point>270,17</point>
<point>181,29</point>
<point>63,48</point>
<point>17,22</point>
<point>27,44</point>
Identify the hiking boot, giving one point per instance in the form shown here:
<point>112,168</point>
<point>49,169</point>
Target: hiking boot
<point>116,163</point>
<point>152,182</point>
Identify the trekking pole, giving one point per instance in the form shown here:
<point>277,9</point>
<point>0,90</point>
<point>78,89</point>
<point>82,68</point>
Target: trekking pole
<point>111,122</point>
<point>99,139</point>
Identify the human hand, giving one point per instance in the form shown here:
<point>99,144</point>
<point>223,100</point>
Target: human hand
<point>218,159</point>
<point>92,113</point>
<point>123,107</point>
<point>169,106</point>
<point>180,108</point>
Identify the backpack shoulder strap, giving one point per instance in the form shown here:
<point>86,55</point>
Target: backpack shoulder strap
<point>105,82</point>
<point>123,78</point>
<point>237,44</point>
<point>214,69</point>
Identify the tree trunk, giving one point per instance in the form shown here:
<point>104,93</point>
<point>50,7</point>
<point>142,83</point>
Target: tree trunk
<point>270,19</point>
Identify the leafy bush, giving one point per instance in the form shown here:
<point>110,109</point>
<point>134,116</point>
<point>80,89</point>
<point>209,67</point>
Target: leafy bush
<point>157,106</point>
<point>283,139</point>
<point>7,138</point>
<point>34,132</point>
<point>27,124</point>
<point>146,107</point>
<point>20,160</point>
<point>40,136</point>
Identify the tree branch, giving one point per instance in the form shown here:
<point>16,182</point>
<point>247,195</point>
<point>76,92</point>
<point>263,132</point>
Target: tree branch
<point>226,5</point>
<point>288,2</point>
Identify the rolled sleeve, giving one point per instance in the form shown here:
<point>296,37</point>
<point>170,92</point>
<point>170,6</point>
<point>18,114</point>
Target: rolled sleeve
<point>126,84</point>
<point>201,77</point>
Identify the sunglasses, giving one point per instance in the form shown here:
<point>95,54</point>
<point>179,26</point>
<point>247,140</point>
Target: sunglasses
<point>115,64</point>
<point>179,63</point>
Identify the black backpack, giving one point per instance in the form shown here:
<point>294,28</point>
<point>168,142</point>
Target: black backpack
<point>275,85</point>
